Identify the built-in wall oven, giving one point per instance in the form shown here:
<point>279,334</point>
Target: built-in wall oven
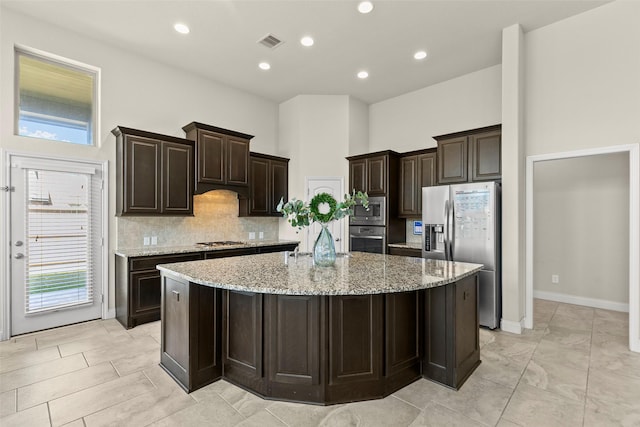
<point>367,238</point>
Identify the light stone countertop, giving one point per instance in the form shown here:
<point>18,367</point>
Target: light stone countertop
<point>170,250</point>
<point>406,245</point>
<point>357,273</point>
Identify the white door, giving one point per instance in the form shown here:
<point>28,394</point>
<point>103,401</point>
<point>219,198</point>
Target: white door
<point>333,186</point>
<point>56,243</point>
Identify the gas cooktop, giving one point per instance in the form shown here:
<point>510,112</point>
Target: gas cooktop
<point>220,243</point>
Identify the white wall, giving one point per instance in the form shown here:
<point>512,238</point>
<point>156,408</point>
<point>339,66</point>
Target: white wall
<point>358,127</point>
<point>408,122</point>
<point>581,223</point>
<point>136,93</point>
<point>582,87</point>
<point>315,131</point>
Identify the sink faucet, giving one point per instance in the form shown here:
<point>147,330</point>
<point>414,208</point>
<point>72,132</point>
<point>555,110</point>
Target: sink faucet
<point>295,252</point>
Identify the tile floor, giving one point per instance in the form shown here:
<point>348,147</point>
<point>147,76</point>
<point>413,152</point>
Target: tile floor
<point>572,369</point>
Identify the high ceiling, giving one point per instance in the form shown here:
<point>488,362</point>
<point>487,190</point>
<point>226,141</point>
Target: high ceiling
<point>459,36</point>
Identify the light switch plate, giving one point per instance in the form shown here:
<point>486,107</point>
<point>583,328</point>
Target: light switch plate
<point>261,235</point>
<point>145,241</point>
<point>252,235</point>
<point>154,240</point>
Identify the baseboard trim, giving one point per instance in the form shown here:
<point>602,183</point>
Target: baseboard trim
<point>511,326</point>
<point>111,313</point>
<point>589,302</point>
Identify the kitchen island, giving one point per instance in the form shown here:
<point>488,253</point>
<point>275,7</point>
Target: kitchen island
<point>285,329</point>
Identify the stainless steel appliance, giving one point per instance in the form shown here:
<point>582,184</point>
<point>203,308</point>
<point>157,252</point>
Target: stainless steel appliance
<point>375,215</point>
<point>462,223</point>
<point>367,239</point>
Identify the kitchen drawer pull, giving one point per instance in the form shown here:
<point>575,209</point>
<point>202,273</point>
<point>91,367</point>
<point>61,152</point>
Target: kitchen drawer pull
<point>177,294</point>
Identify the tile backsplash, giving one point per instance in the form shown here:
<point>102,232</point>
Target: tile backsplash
<point>412,238</point>
<point>215,218</point>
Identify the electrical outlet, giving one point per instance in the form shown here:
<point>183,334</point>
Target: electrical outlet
<point>154,240</point>
<point>555,278</point>
<point>261,235</point>
<point>145,241</point>
<point>252,235</point>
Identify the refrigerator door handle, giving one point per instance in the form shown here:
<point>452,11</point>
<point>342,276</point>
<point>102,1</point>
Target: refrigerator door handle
<point>446,231</point>
<point>452,231</point>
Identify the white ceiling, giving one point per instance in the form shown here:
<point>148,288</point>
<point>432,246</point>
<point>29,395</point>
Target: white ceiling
<point>459,36</point>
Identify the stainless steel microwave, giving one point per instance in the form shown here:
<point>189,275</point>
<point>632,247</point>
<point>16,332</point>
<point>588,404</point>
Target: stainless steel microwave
<point>375,215</point>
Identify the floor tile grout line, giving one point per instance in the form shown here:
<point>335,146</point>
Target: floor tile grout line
<point>49,412</point>
<point>277,417</point>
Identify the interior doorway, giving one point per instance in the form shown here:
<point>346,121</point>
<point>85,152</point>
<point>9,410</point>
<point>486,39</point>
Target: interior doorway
<point>633,232</point>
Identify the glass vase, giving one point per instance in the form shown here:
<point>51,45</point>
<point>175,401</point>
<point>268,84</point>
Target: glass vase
<point>324,251</point>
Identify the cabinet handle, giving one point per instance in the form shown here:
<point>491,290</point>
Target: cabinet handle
<point>177,294</point>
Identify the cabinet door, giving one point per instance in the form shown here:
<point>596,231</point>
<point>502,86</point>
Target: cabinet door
<point>145,293</point>
<point>175,329</point>
<point>358,175</point>
<point>485,157</point>
<point>452,160</point>
<point>177,177</point>
<point>427,175</point>
<point>211,151</point>
<point>237,161</point>
<point>260,196</point>
<point>377,175</point>
<point>279,184</point>
<point>409,205</point>
<point>142,183</point>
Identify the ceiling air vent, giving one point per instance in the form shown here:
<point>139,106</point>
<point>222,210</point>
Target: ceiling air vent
<point>270,41</point>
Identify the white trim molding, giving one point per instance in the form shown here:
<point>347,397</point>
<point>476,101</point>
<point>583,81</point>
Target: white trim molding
<point>578,300</point>
<point>511,326</point>
<point>634,231</point>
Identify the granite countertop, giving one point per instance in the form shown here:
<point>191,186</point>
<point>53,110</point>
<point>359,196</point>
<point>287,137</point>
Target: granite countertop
<point>405,245</point>
<point>170,250</point>
<point>356,273</point>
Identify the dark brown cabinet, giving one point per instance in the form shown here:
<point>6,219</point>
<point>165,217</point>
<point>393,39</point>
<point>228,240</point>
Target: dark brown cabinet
<point>417,170</point>
<point>413,252</point>
<point>138,280</point>
<point>468,156</point>
<point>191,351</point>
<point>269,182</point>
<point>374,173</point>
<point>138,287</point>
<point>222,158</point>
<point>452,344</point>
<point>154,173</point>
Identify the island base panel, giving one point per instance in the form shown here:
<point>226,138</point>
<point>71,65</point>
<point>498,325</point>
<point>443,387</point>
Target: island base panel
<point>320,349</point>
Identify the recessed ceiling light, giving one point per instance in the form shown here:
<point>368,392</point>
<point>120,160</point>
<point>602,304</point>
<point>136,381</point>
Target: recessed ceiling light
<point>365,7</point>
<point>181,28</point>
<point>264,66</point>
<point>363,74</point>
<point>421,54</point>
<point>306,41</point>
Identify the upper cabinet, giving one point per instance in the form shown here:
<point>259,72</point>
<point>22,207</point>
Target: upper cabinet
<point>469,156</point>
<point>222,158</point>
<point>269,182</point>
<point>373,173</point>
<point>154,173</point>
<point>417,170</point>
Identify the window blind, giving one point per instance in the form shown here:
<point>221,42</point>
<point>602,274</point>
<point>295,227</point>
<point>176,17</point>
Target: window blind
<point>58,221</point>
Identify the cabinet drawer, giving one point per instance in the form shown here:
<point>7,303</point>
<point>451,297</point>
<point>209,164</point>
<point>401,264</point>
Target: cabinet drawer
<point>150,262</point>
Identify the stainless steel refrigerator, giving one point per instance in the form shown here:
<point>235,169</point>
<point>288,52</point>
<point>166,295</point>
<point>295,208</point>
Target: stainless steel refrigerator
<point>462,223</point>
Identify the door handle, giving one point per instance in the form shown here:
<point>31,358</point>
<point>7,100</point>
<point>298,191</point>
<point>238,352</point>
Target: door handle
<point>19,256</point>
<point>177,294</point>
<point>337,239</point>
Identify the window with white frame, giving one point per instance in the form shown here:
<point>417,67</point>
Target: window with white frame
<point>56,98</point>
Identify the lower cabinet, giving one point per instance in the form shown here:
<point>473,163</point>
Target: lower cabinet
<point>191,349</point>
<point>414,252</point>
<point>138,287</point>
<point>319,349</point>
<point>138,280</point>
<point>451,321</point>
